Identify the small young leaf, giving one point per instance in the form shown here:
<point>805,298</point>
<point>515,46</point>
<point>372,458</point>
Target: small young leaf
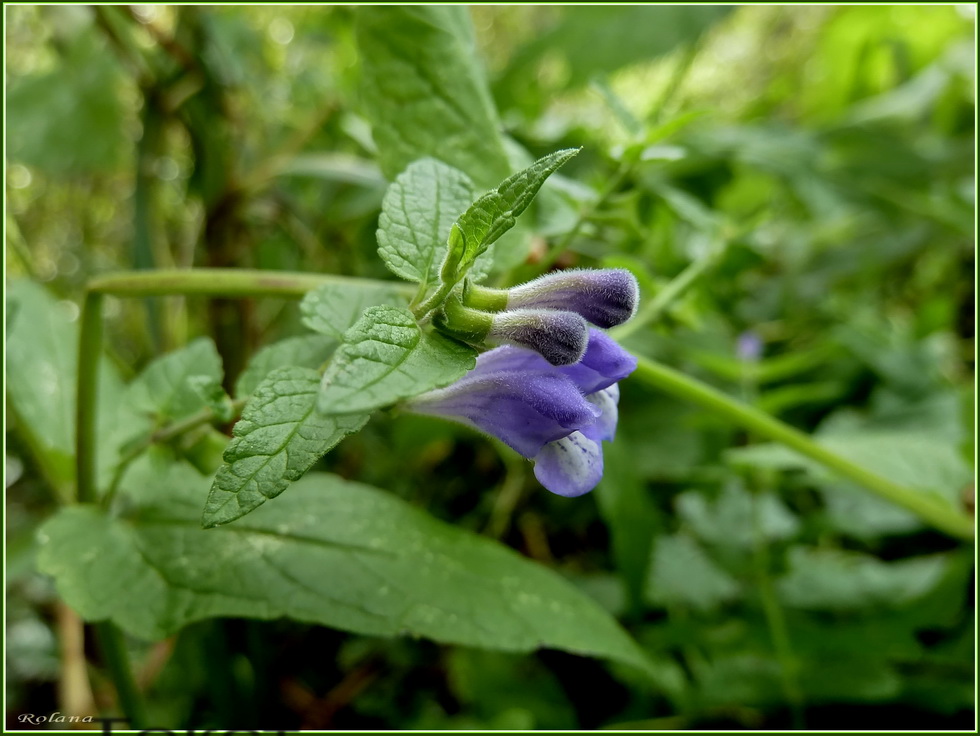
<point>385,358</point>
<point>418,210</point>
<point>278,438</point>
<point>213,395</point>
<point>305,351</point>
<point>163,389</point>
<point>331,309</point>
<point>495,212</point>
<point>329,552</point>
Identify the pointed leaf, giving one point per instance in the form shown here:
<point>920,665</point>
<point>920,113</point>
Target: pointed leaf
<point>279,437</point>
<point>385,358</point>
<point>495,212</point>
<point>329,552</point>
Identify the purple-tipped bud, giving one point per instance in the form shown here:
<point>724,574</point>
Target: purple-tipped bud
<point>605,297</point>
<point>559,337</point>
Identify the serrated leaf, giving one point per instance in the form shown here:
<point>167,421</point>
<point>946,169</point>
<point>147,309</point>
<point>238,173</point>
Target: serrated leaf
<point>385,358</point>
<point>305,351</point>
<point>279,437</point>
<point>495,212</point>
<point>332,309</point>
<point>164,390</point>
<point>330,552</point>
<point>418,210</point>
<point>425,92</point>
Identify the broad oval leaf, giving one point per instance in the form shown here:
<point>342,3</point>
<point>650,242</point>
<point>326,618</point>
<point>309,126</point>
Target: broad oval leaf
<point>330,552</point>
<point>425,92</point>
<point>385,358</point>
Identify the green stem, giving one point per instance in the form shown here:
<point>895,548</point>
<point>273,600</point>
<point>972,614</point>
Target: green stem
<point>89,353</point>
<point>113,648</point>
<point>438,297</point>
<point>162,435</point>
<point>227,282</point>
<point>776,622</point>
<point>929,509</point>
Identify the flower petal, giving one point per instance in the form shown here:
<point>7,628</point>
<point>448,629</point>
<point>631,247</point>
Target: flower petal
<point>605,362</point>
<point>526,409</point>
<point>570,466</point>
<point>607,401</point>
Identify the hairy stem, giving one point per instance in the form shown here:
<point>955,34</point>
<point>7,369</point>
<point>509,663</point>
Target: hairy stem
<point>931,510</point>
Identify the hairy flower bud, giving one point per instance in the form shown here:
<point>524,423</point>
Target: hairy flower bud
<point>559,337</point>
<point>604,297</point>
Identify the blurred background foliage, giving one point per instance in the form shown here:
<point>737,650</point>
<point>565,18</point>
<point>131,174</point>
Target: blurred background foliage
<point>816,164</point>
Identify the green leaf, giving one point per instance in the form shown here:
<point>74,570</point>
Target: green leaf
<point>279,437</point>
<point>682,573</point>
<point>833,579</point>
<point>385,357</point>
<point>425,93</point>
<point>590,42</point>
<point>83,87</point>
<point>495,212</point>
<point>164,389</point>
<point>305,351</point>
<point>418,211</point>
<point>930,463</point>
<point>332,309</point>
<point>330,552</point>
<point>737,518</point>
<point>41,362</point>
<point>211,392</point>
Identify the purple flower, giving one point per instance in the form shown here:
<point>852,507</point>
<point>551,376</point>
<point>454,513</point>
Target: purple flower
<point>749,346</point>
<point>556,415</point>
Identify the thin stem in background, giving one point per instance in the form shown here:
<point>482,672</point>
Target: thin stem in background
<point>776,623</point>
<point>228,282</point>
<point>113,646</point>
<point>86,417</point>
<point>162,435</point>
<point>678,286</point>
<point>930,509</point>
